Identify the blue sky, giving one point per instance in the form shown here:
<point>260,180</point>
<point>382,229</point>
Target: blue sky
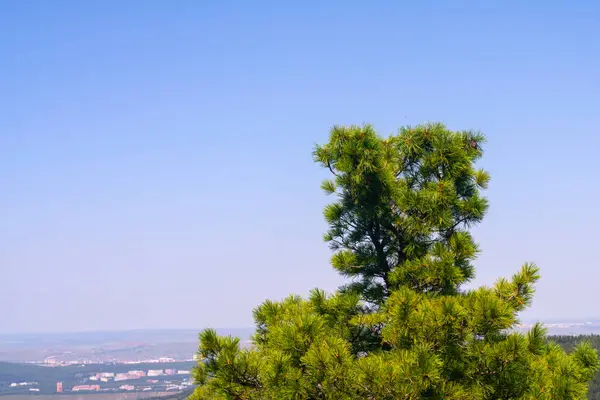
<point>155,157</point>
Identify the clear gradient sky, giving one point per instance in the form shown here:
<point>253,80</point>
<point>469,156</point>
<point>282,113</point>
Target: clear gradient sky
<point>155,156</point>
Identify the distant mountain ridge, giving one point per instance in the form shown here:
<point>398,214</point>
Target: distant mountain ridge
<point>133,345</point>
<point>180,344</point>
<point>567,326</point>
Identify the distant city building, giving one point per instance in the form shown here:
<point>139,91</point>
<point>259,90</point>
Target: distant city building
<point>129,375</point>
<point>170,371</point>
<point>86,388</point>
<point>102,376</point>
<point>121,377</point>
<point>15,384</point>
<point>155,372</point>
<point>127,387</point>
<point>58,387</point>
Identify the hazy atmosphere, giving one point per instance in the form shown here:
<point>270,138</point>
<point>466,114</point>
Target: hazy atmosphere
<point>156,167</point>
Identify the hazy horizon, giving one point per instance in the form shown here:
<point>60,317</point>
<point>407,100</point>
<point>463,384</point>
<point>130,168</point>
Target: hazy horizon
<point>157,330</point>
<point>232,329</point>
<point>156,160</point>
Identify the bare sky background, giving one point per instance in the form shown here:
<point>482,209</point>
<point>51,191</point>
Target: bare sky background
<point>155,157</point>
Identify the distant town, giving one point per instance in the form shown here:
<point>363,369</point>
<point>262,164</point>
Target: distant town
<point>134,375</point>
<point>56,375</point>
<point>176,384</point>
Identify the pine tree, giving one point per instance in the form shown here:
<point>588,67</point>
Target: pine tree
<point>403,327</point>
<point>403,204</point>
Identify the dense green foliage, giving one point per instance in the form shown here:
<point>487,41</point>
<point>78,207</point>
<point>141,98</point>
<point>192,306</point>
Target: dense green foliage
<point>569,343</point>
<point>403,327</point>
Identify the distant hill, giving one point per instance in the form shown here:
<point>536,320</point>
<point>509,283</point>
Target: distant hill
<point>10,372</point>
<point>177,396</point>
<point>106,346</point>
<point>46,377</point>
<point>567,327</point>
